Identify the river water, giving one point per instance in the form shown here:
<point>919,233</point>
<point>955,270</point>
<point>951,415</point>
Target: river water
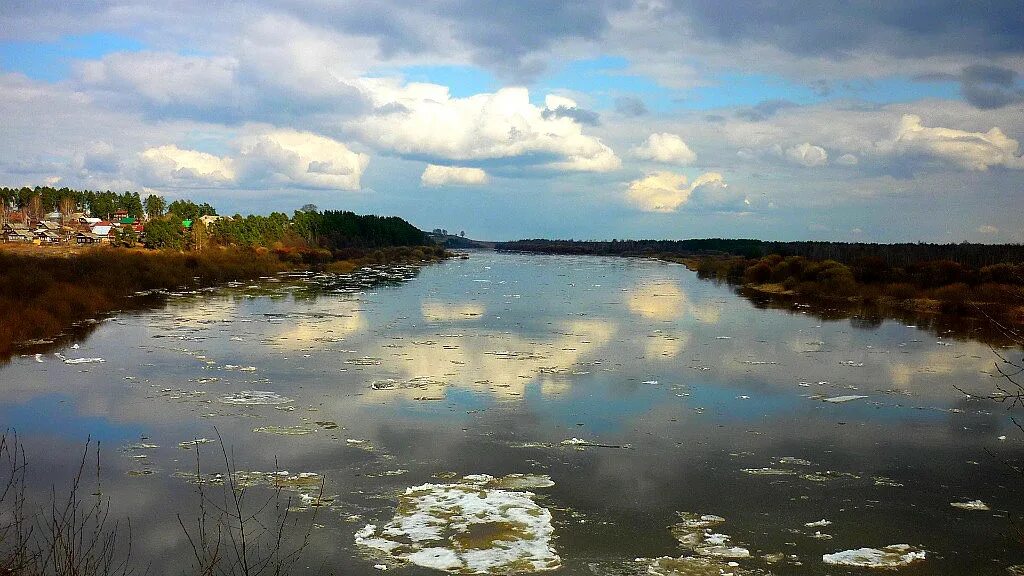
<point>612,402</point>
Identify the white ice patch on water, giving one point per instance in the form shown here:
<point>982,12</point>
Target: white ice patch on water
<point>77,360</point>
<point>255,398</point>
<point>840,399</point>
<point>894,556</point>
<point>972,505</point>
<point>469,527</point>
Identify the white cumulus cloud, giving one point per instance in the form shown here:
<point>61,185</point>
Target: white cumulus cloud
<point>291,157</point>
<point>847,160</point>
<point>425,120</point>
<point>967,150</point>
<point>172,165</point>
<point>435,175</point>
<point>665,147</point>
<point>667,191</point>
<point>807,154</point>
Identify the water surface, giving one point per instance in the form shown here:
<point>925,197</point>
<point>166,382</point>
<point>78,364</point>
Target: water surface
<point>641,391</point>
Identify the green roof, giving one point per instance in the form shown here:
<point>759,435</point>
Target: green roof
<point>186,223</point>
<point>127,220</point>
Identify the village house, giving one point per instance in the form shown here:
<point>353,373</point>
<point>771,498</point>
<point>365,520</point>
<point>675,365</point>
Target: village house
<point>16,232</point>
<point>102,229</point>
<point>87,238</point>
<point>48,237</point>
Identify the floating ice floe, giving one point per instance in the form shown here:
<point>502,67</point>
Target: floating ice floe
<point>190,444</point>
<point>74,360</point>
<point>694,532</point>
<point>467,527</point>
<point>255,398</point>
<point>792,461</point>
<point>840,399</point>
<point>695,566</point>
<point>972,505</point>
<point>893,556</point>
<point>286,430</point>
<point>819,524</point>
<point>767,472</point>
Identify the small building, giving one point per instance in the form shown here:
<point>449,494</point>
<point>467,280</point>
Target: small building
<point>17,234</point>
<point>48,237</point>
<point>101,229</point>
<point>89,221</point>
<point>87,238</point>
<point>48,225</point>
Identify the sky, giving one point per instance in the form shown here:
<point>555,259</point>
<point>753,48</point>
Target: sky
<point>600,119</point>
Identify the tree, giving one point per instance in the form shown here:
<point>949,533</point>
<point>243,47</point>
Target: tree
<point>125,237</point>
<point>164,233</point>
<point>155,206</point>
<point>310,208</point>
<point>189,210</point>
<point>197,236</point>
<point>462,234</point>
<point>67,207</point>
<point>34,209</point>
<point>103,204</point>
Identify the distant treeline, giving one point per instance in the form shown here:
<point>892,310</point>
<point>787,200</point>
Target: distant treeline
<point>305,229</point>
<point>45,199</point>
<point>892,255</point>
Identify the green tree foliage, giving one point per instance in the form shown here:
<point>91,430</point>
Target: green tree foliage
<point>125,237</point>
<point>189,210</point>
<point>155,206</point>
<point>251,230</point>
<point>164,233</point>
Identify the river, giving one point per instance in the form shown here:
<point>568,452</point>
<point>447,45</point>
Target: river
<point>622,410</point>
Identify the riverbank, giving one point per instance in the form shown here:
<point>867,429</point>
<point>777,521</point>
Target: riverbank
<point>45,293</point>
<point>934,288</point>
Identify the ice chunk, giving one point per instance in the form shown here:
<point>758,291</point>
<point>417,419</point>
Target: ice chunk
<point>255,398</point>
<point>77,360</point>
<point>893,556</point>
<point>467,527</point>
<point>972,505</point>
<point>694,566</point>
<point>285,430</point>
<point>839,399</point>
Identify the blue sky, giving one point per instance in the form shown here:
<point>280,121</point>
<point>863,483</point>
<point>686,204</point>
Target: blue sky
<point>562,120</point>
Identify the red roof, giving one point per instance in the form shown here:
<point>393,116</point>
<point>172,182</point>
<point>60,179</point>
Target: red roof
<point>103,223</point>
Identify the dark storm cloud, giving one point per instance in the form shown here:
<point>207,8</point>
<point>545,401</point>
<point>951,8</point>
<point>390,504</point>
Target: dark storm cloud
<point>579,115</point>
<point>906,28</point>
<point>988,87</point>
<point>764,109</point>
<point>630,106</point>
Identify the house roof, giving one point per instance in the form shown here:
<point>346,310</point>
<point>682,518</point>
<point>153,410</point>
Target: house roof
<point>101,230</point>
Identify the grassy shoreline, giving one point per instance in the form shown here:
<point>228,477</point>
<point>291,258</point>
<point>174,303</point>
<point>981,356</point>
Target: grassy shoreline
<point>44,294</point>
